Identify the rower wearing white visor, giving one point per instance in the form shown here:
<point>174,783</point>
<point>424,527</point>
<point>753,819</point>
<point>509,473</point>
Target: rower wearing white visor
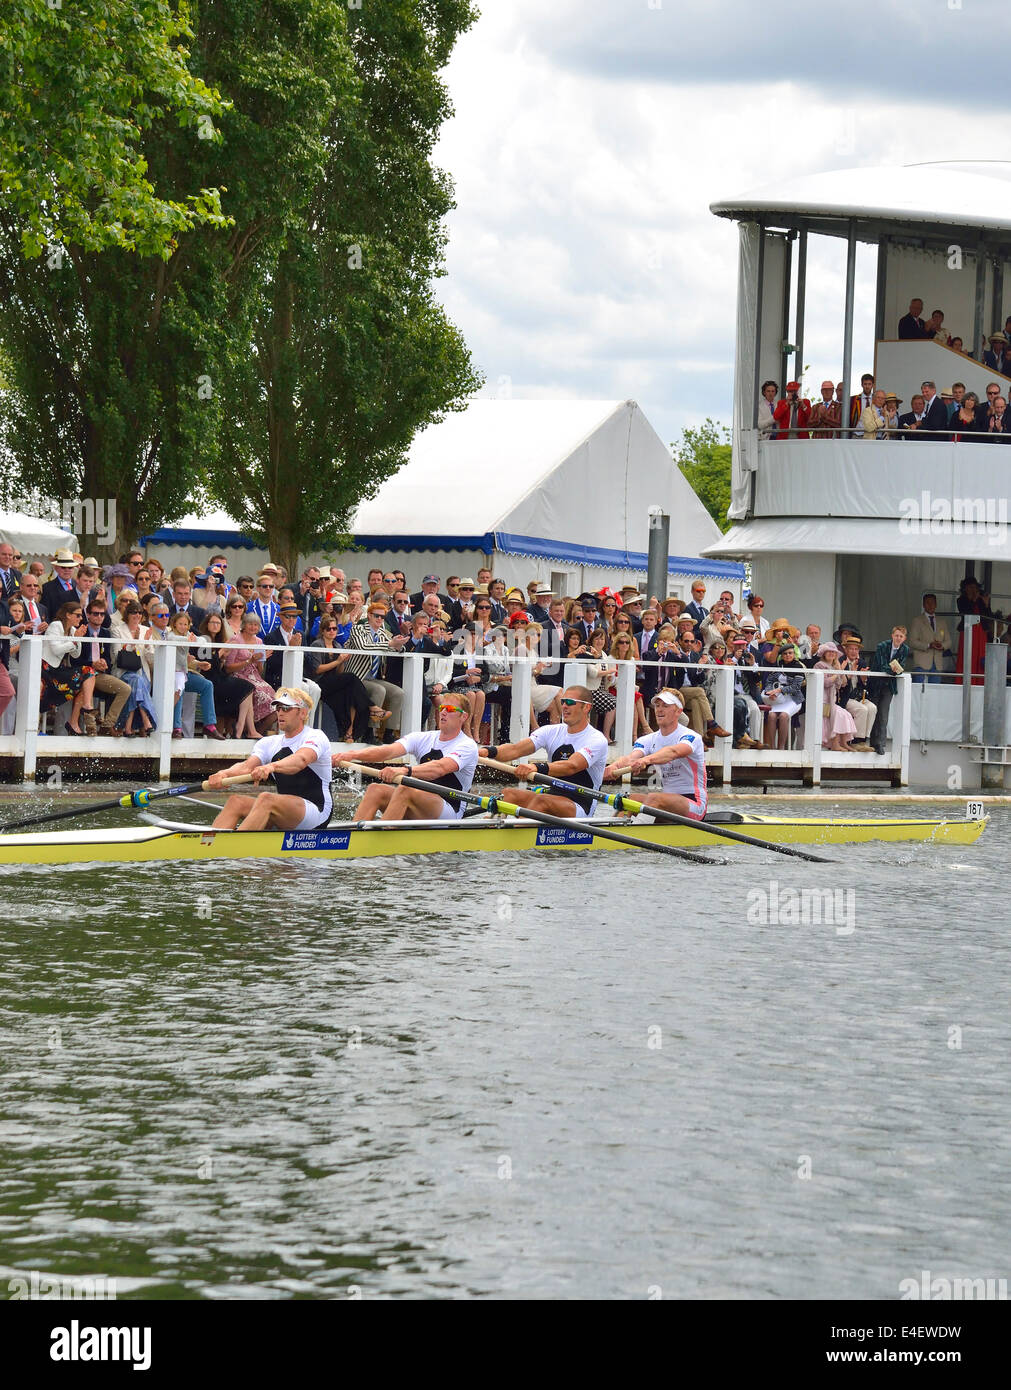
<point>577,753</point>
<point>297,760</point>
<point>446,756</point>
<point>678,753</point>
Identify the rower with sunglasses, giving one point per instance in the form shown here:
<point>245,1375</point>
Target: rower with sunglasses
<point>446,756</point>
<point>577,752</point>
<point>297,760</point>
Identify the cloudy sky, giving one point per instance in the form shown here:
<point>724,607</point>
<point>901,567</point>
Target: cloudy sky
<point>591,136</point>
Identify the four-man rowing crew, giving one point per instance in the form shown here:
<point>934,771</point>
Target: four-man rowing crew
<point>422,809</point>
<point>298,759</point>
<point>299,762</point>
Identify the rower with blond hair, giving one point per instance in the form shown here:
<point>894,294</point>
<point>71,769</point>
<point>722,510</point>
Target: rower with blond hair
<point>296,759</point>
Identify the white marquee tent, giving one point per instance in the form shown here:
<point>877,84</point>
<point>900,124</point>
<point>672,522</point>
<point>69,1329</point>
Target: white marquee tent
<point>34,537</point>
<point>557,490</point>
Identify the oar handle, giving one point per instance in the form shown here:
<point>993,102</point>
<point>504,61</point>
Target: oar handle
<point>368,771</point>
<point>227,782</point>
<point>504,767</point>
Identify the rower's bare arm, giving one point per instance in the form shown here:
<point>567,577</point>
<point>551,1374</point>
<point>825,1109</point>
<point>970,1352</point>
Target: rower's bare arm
<point>216,780</point>
<point>506,752</point>
<point>294,762</point>
<point>438,767</point>
<point>567,767</point>
<point>381,753</point>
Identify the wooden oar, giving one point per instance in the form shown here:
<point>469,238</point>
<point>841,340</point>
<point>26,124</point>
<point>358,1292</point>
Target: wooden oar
<point>143,797</point>
<point>621,802</point>
<point>496,804</point>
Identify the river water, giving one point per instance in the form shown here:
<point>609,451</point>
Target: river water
<point>509,1076</point>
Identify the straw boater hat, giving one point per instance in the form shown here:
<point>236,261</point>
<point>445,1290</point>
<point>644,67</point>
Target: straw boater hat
<point>65,557</point>
<point>514,596</point>
<point>891,396</point>
<point>998,337</point>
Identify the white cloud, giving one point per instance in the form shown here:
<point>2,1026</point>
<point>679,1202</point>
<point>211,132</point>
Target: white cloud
<point>583,259</point>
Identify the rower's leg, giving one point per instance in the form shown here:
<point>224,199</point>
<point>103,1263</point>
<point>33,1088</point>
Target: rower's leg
<point>409,803</point>
<point>377,798</point>
<point>550,805</point>
<point>670,801</point>
<point>274,811</point>
<point>232,812</point>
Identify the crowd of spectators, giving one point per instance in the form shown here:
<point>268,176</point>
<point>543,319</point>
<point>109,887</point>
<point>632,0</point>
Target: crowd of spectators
<point>229,640</point>
<point>954,413</point>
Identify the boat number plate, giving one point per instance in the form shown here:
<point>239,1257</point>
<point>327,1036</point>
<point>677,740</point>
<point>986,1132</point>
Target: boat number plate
<point>554,835</point>
<point>974,810</point>
<point>316,839</point>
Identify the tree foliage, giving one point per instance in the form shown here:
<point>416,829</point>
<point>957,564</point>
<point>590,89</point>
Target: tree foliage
<point>703,456</point>
<point>254,365</point>
<point>81,84</point>
<point>351,354</point>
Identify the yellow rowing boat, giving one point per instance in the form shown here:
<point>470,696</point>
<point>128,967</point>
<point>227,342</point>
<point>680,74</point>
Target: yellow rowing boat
<point>165,840</point>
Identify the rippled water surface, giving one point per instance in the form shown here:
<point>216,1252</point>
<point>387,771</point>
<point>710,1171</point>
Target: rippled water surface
<point>504,1075</point>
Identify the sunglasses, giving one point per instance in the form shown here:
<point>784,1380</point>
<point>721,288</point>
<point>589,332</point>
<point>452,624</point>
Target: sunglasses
<point>573,702</point>
<point>482,608</point>
<point>452,709</point>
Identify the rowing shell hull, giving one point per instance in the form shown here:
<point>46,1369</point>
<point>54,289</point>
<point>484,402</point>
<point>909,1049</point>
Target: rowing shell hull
<point>353,841</point>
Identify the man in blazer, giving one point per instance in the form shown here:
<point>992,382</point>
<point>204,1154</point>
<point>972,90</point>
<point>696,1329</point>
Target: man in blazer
<point>928,641</point>
<point>936,417</point>
<point>181,602</point>
<point>648,674</point>
<point>539,610</point>
<point>792,414</point>
<point>429,585</point>
<point>893,649</point>
<point>858,404</point>
<point>996,354</point>
<point>60,589</point>
<point>309,597</point>
<point>99,657</point>
<point>10,575</point>
<point>36,612</point>
<point>279,638</point>
<point>696,609</point>
<point>551,647</point>
<point>912,422</point>
<point>587,619</point>
<point>912,325</point>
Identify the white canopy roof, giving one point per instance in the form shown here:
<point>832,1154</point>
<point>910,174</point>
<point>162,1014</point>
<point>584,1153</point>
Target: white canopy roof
<point>567,480</point>
<point>970,193</point>
<point>33,536</point>
<point>862,536</point>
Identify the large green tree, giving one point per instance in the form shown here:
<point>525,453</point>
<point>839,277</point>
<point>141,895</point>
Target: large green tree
<point>350,353</point>
<point>703,456</point>
<point>80,85</point>
<point>155,382</point>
